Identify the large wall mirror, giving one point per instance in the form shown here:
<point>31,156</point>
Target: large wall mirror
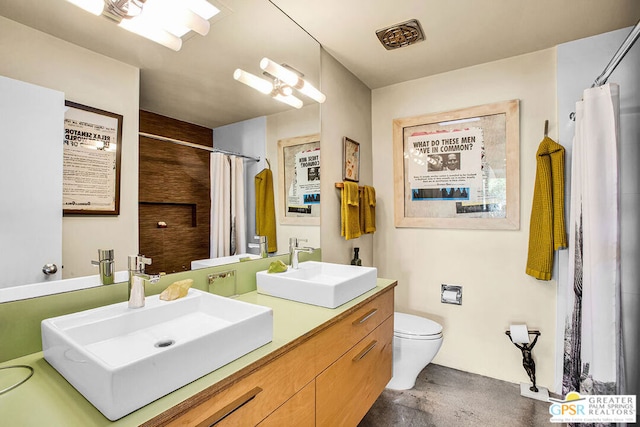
<point>91,61</point>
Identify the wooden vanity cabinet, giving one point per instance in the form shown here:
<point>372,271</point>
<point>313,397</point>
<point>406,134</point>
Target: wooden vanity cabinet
<point>346,390</point>
<point>329,377</point>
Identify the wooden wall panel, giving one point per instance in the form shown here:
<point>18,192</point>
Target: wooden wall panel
<point>174,187</point>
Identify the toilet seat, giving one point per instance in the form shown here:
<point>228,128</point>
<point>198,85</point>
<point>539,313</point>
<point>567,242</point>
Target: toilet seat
<point>412,327</point>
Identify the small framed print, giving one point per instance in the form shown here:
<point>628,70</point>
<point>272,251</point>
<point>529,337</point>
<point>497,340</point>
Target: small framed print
<point>351,160</point>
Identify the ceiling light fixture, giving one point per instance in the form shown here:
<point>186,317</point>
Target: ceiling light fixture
<point>163,21</point>
<point>283,79</point>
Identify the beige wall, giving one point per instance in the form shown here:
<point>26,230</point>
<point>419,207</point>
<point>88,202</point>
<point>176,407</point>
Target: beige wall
<point>100,82</point>
<point>291,124</point>
<point>488,264</point>
<point>347,112</point>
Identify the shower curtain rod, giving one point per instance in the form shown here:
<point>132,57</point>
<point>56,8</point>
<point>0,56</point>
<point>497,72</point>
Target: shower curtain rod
<point>192,145</point>
<point>617,57</point>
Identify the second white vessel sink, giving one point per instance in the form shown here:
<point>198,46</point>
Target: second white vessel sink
<point>121,359</point>
<point>318,283</point>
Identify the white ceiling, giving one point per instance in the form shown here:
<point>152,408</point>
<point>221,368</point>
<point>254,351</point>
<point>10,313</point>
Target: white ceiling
<point>196,85</point>
<point>459,33</point>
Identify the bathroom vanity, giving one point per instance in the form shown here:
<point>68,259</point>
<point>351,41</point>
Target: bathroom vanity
<point>324,367</point>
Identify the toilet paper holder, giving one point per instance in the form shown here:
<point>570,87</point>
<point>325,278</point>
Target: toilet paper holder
<point>451,294</point>
<point>527,357</point>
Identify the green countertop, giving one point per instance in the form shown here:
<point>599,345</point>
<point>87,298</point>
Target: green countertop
<point>47,399</point>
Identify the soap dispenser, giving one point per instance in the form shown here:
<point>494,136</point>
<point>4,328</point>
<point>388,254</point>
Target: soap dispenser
<point>356,258</point>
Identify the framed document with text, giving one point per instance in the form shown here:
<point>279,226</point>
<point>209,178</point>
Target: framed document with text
<point>91,163</point>
<point>458,169</point>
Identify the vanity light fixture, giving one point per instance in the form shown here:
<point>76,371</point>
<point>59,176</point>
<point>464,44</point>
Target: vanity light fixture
<point>292,79</point>
<point>162,21</point>
<point>283,80</point>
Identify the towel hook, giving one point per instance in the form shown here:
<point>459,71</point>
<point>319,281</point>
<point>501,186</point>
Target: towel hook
<point>268,163</point>
<point>546,128</point>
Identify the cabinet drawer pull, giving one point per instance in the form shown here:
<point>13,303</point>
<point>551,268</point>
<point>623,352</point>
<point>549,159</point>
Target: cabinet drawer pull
<point>364,352</point>
<point>365,317</point>
<point>230,408</point>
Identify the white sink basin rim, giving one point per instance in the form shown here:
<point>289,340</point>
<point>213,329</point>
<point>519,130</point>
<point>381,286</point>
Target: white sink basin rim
<point>318,283</point>
<point>121,359</point>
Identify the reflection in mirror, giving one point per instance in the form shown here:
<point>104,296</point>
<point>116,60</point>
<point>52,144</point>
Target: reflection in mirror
<point>202,97</point>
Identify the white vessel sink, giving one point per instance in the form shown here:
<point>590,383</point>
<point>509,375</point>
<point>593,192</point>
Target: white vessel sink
<point>213,262</point>
<point>121,359</point>
<point>318,283</point>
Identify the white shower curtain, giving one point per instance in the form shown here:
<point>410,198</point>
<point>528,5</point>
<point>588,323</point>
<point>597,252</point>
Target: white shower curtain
<point>593,356</point>
<point>228,219</point>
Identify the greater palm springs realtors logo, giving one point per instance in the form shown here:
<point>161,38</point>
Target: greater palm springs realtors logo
<point>593,409</point>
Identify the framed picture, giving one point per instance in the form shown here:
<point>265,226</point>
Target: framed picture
<point>351,160</point>
<point>299,180</point>
<point>91,162</point>
<point>458,169</point>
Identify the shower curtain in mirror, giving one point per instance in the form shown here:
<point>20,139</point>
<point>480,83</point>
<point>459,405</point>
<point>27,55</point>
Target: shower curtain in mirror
<point>593,346</point>
<point>228,219</point>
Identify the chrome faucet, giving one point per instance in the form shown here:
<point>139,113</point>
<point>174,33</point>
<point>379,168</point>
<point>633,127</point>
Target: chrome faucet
<point>294,250</point>
<point>262,244</point>
<point>106,265</point>
<point>135,293</point>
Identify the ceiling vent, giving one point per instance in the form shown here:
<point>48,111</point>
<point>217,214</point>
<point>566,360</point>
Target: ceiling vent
<point>401,35</point>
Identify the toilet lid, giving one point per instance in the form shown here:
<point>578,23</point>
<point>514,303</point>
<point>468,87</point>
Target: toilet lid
<point>408,324</point>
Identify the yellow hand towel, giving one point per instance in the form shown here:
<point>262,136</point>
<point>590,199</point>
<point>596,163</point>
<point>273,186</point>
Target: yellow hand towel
<point>547,229</point>
<point>368,210</point>
<point>266,208</point>
<point>350,223</point>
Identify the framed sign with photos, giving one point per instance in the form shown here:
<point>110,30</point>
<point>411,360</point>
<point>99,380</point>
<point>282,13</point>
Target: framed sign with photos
<point>299,180</point>
<point>458,169</point>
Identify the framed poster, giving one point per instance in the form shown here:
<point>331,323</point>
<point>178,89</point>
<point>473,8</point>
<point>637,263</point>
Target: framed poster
<point>351,160</point>
<point>91,162</point>
<point>299,180</point>
<point>458,169</point>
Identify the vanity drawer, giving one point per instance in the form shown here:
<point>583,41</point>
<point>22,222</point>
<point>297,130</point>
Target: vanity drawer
<point>252,398</point>
<point>300,410</point>
<point>348,388</point>
<point>336,340</point>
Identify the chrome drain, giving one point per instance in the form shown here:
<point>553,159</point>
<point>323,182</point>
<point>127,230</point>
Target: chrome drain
<point>164,343</point>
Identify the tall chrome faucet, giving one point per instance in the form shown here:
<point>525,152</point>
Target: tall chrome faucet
<point>106,264</point>
<point>135,293</point>
<point>262,245</point>
<point>294,250</point>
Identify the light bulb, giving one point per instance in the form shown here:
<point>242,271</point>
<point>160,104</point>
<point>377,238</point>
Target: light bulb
<point>255,82</point>
<point>291,100</point>
<point>313,93</point>
<point>277,70</point>
<point>292,79</point>
<point>148,29</point>
<point>175,17</point>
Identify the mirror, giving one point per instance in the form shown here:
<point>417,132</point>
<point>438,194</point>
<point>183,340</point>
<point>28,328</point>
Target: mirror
<point>39,33</point>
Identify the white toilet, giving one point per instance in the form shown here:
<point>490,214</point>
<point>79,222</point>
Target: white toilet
<point>416,342</point>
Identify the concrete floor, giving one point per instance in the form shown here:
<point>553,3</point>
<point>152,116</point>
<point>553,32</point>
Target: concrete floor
<point>450,398</point>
